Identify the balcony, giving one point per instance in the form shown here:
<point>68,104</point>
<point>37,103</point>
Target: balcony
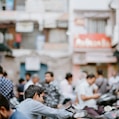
<point>91,5</point>
<point>56,46</point>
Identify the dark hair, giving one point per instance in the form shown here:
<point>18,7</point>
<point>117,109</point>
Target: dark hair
<point>90,76</point>
<point>4,102</point>
<point>85,72</point>
<point>5,73</point>
<point>68,75</point>
<point>1,69</point>
<point>51,73</point>
<point>32,89</point>
<point>27,73</point>
<point>21,80</point>
<point>99,72</point>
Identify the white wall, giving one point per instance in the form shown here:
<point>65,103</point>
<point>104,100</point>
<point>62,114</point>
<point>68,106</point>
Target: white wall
<point>91,4</point>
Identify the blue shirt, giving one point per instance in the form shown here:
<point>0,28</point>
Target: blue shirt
<point>34,110</point>
<point>6,87</point>
<point>17,115</point>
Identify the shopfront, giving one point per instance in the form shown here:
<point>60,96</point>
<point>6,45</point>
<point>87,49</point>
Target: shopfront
<point>92,52</point>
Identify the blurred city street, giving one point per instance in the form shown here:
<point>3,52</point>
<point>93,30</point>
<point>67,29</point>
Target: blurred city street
<point>59,35</point>
<point>59,59</point>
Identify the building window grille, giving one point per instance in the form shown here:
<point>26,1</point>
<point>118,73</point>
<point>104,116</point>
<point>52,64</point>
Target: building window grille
<point>96,25</point>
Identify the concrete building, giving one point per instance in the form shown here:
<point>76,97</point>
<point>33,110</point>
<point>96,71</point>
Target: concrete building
<point>114,5</point>
<point>39,27</point>
<point>91,25</point>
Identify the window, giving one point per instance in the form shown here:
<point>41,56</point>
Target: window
<point>56,5</point>
<point>96,25</point>
<point>6,4</point>
<point>57,36</point>
<point>2,4</point>
<point>20,5</point>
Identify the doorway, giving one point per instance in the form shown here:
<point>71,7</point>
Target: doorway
<point>41,72</point>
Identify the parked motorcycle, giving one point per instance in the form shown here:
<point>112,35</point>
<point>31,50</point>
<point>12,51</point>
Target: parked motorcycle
<point>111,97</point>
<point>110,113</point>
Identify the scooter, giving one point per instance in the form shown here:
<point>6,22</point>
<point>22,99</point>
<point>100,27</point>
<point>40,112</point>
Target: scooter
<point>111,98</point>
<point>110,113</point>
<point>108,101</point>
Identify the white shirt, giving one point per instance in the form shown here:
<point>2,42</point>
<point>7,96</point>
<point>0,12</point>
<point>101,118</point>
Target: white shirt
<point>30,82</point>
<point>113,80</point>
<point>79,82</point>
<point>87,90</point>
<point>66,90</point>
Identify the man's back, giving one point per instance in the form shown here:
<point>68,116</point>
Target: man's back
<point>6,87</point>
<point>67,90</point>
<point>34,110</point>
<point>102,84</point>
<point>18,115</point>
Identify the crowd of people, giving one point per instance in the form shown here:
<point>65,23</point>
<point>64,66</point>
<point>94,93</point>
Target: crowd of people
<point>47,99</point>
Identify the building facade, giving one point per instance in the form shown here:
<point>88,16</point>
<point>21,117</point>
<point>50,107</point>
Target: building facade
<point>91,26</point>
<point>36,29</point>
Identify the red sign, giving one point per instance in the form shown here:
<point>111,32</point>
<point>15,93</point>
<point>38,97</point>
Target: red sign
<point>92,41</point>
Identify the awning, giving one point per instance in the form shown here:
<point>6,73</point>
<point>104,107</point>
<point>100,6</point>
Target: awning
<point>94,56</point>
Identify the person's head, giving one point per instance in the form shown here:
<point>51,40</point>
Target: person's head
<point>5,74</point>
<point>69,77</point>
<point>91,79</point>
<point>99,72</point>
<point>1,70</point>
<point>21,81</point>
<point>35,78</point>
<point>35,92</point>
<point>4,107</point>
<point>83,75</point>
<point>114,73</point>
<point>49,76</point>
<point>27,76</point>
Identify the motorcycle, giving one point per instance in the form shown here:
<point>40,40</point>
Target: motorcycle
<point>111,98</point>
<point>110,113</point>
<point>109,101</point>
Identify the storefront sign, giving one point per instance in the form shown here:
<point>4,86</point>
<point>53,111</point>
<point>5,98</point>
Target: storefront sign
<point>50,23</point>
<point>32,64</point>
<point>24,26</point>
<point>92,41</point>
<point>62,24</point>
<point>79,22</point>
<point>93,57</point>
<point>100,59</point>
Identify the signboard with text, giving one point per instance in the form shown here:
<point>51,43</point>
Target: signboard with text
<point>32,64</point>
<point>92,41</point>
<point>24,27</point>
